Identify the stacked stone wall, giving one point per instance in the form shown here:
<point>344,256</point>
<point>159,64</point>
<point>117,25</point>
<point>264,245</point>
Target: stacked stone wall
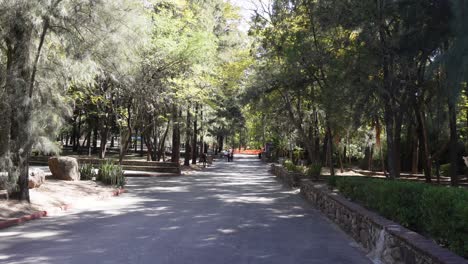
<point>384,240</point>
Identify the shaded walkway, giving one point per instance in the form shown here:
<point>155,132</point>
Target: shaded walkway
<point>232,213</point>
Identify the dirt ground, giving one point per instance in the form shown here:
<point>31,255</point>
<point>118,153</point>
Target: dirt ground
<point>54,194</point>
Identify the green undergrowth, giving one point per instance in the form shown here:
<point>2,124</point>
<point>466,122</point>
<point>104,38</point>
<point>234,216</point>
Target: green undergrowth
<point>87,172</point>
<point>311,171</point>
<point>111,174</point>
<point>290,166</point>
<point>439,212</point>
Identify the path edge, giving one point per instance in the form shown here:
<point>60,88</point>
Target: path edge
<point>40,214</point>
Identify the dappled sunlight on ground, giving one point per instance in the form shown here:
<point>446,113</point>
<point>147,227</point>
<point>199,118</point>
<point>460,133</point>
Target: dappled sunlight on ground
<point>231,213</point>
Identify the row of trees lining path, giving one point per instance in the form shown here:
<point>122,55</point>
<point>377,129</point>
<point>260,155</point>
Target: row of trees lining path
<point>232,213</point>
<point>379,84</point>
<point>96,70</point>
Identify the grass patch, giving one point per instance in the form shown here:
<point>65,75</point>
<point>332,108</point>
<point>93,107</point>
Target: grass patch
<point>111,174</point>
<point>440,212</point>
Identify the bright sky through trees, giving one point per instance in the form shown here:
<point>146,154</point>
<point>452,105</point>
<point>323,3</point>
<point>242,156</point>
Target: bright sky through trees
<point>248,8</point>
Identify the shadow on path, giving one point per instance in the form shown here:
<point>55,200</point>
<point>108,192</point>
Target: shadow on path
<point>231,213</point>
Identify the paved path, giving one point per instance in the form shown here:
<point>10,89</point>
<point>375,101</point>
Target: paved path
<point>233,213</point>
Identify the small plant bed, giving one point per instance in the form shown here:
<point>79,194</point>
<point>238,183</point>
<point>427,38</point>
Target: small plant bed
<point>438,212</point>
<point>108,173</point>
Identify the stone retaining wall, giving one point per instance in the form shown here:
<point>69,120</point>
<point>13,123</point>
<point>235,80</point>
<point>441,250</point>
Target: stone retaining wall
<point>291,179</point>
<point>385,240</point>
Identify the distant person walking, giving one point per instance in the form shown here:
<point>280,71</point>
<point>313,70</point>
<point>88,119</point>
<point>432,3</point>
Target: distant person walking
<point>203,159</point>
<point>230,155</point>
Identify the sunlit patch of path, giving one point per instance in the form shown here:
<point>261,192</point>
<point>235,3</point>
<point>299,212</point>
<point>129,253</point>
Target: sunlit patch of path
<point>231,213</point>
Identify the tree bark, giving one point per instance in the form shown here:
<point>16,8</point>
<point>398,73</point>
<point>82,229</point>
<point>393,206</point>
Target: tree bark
<point>202,143</point>
<point>175,153</point>
<point>415,153</point>
<point>453,150</point>
<point>103,143</point>
<point>162,142</point>
<point>149,146</point>
<point>127,138</point>
<point>135,147</point>
<point>195,135</point>
<point>422,134</point>
<point>74,133</point>
<point>330,148</point>
<point>95,135</point>
<point>391,157</point>
<point>141,143</point>
<point>188,135</point>
<point>18,89</point>
<point>221,143</point>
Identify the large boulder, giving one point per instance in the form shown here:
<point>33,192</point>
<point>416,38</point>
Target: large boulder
<point>36,178</point>
<point>64,168</point>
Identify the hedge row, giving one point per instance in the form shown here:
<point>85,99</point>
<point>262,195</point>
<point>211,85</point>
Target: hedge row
<point>439,212</point>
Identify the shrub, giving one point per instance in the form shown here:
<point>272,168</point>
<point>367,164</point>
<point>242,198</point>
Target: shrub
<point>332,181</point>
<point>445,169</point>
<point>314,170</point>
<point>289,165</point>
<point>87,172</point>
<point>440,212</point>
<point>111,174</point>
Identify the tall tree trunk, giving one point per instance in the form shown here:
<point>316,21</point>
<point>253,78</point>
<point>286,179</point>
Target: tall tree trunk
<point>95,135</point>
<point>195,135</point>
<point>297,120</point>
<point>415,152</point>
<point>316,143</point>
<point>128,137</point>
<point>398,126</point>
<point>103,144</point>
<point>88,143</point>
<point>135,147</point>
<point>162,142</point>
<point>390,107</point>
<point>325,149</point>
<point>85,144</point>
<point>422,134</point>
<point>202,143</point>
<point>141,143</point>
<point>188,136</point>
<point>330,148</point>
<point>340,161</point>
<point>74,133</point>
<point>221,143</point>
<point>175,153</point>
<point>391,156</point>
<point>19,87</point>
<point>149,146</point>
<point>453,150</point>
<point>6,109</point>
<point>78,137</point>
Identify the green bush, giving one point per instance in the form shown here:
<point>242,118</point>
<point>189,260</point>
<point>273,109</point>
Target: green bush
<point>440,212</point>
<point>111,174</point>
<point>445,169</point>
<point>87,172</point>
<point>314,170</point>
<point>332,181</point>
<point>289,165</point>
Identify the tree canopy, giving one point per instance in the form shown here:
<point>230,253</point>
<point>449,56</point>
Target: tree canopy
<point>375,84</point>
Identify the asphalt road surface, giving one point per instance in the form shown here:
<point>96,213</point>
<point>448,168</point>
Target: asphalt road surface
<point>232,213</point>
